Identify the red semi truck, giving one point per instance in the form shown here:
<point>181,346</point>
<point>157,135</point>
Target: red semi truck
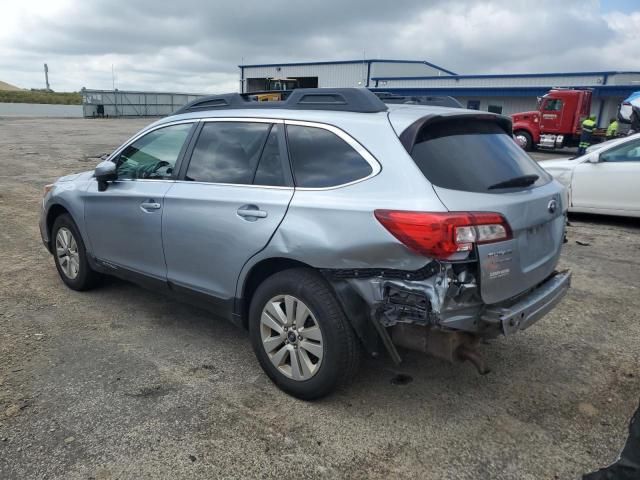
<point>557,121</point>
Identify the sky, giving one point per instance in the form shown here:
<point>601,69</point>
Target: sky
<point>197,45</point>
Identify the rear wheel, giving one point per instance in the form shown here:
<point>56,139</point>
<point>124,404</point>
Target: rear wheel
<point>524,140</point>
<point>70,255</point>
<point>301,336</point>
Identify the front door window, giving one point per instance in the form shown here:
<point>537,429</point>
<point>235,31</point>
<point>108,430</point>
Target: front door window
<point>154,155</point>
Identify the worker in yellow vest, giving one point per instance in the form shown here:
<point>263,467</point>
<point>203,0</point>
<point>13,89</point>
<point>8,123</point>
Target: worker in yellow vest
<point>612,129</point>
<point>588,126</point>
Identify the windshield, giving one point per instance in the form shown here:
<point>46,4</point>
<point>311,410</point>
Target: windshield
<point>474,156</point>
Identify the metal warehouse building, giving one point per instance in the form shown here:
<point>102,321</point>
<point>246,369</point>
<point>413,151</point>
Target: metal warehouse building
<point>122,103</point>
<point>348,73</point>
<point>504,94</point>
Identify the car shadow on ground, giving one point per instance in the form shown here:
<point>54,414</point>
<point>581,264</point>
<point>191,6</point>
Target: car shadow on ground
<point>418,379</point>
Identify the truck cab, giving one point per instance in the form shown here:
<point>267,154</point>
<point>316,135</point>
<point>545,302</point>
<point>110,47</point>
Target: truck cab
<point>557,121</point>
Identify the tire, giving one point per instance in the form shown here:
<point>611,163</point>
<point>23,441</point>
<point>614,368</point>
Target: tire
<point>527,141</point>
<point>325,323</point>
<point>75,272</point>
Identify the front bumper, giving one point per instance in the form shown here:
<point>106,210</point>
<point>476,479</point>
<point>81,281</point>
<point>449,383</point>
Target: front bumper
<point>532,307</point>
<point>551,141</point>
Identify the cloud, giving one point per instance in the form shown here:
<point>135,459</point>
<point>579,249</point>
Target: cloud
<point>196,45</point>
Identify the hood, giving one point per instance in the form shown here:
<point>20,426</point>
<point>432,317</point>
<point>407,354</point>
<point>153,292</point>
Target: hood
<point>560,163</point>
<point>562,168</point>
<point>76,176</point>
<point>520,116</point>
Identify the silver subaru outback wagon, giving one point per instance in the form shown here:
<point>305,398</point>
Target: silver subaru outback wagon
<point>328,224</point>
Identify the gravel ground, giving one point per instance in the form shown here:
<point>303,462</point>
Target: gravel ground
<point>122,383</point>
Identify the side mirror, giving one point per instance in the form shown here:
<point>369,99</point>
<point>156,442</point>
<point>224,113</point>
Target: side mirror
<point>595,158</point>
<point>105,172</point>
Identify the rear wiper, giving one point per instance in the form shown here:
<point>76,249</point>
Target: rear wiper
<point>523,181</point>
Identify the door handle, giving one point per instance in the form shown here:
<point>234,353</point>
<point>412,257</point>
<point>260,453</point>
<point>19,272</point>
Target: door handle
<point>150,205</point>
<point>251,212</point>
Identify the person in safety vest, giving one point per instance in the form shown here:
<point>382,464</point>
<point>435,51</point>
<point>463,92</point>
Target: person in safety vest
<point>612,129</point>
<point>588,126</point>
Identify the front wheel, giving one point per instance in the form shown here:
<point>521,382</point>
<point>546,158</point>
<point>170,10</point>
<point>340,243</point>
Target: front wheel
<point>524,140</point>
<point>301,336</point>
<point>70,255</point>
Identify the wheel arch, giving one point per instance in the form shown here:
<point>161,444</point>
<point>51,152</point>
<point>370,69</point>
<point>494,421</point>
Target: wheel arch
<point>355,308</point>
<point>258,274</point>
<point>54,212</point>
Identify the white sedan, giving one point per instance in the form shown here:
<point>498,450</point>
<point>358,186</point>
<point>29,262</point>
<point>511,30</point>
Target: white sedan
<point>605,180</point>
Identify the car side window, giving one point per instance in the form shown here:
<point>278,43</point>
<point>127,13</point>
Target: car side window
<point>154,155</point>
<point>628,152</point>
<point>270,171</point>
<point>227,152</point>
<point>322,159</point>
<point>553,105</point>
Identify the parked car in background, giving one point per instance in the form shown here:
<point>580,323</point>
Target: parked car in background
<point>326,224</point>
<point>605,180</point>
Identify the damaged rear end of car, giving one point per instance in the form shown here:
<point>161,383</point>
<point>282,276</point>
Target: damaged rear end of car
<point>490,255</point>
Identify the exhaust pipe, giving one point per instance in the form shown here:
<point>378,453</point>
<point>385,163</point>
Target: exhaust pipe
<point>472,355</point>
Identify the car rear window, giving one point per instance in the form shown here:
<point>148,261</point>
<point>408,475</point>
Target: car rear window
<point>472,155</point>
<point>321,159</point>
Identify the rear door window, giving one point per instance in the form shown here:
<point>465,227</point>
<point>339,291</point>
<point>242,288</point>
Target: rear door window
<point>227,152</point>
<point>270,169</point>
<point>321,159</point>
<point>473,156</point>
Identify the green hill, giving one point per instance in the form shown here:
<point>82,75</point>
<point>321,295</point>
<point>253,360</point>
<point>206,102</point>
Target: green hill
<point>31,96</point>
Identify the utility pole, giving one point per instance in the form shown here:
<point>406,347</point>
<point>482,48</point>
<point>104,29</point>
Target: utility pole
<point>115,99</point>
<point>46,76</point>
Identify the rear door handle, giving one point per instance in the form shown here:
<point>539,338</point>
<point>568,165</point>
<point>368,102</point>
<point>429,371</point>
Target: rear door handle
<point>251,212</point>
<point>150,205</point>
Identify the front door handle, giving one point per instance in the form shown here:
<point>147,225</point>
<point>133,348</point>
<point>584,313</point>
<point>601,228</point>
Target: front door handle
<point>251,212</point>
<point>150,205</point>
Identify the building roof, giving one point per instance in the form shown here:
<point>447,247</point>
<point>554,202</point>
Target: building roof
<point>511,75</point>
<point>340,62</point>
<point>599,91</point>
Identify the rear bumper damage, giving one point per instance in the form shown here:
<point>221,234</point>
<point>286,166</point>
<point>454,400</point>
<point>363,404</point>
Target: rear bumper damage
<point>439,310</point>
<point>532,307</point>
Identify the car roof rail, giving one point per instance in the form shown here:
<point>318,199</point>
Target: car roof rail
<point>359,100</point>
<point>432,100</point>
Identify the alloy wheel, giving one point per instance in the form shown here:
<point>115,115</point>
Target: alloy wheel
<point>67,253</point>
<point>291,337</point>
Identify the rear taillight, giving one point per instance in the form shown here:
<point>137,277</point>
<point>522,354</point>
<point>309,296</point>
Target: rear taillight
<point>440,235</point>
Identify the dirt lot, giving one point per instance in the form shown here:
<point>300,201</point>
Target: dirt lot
<point>121,383</point>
